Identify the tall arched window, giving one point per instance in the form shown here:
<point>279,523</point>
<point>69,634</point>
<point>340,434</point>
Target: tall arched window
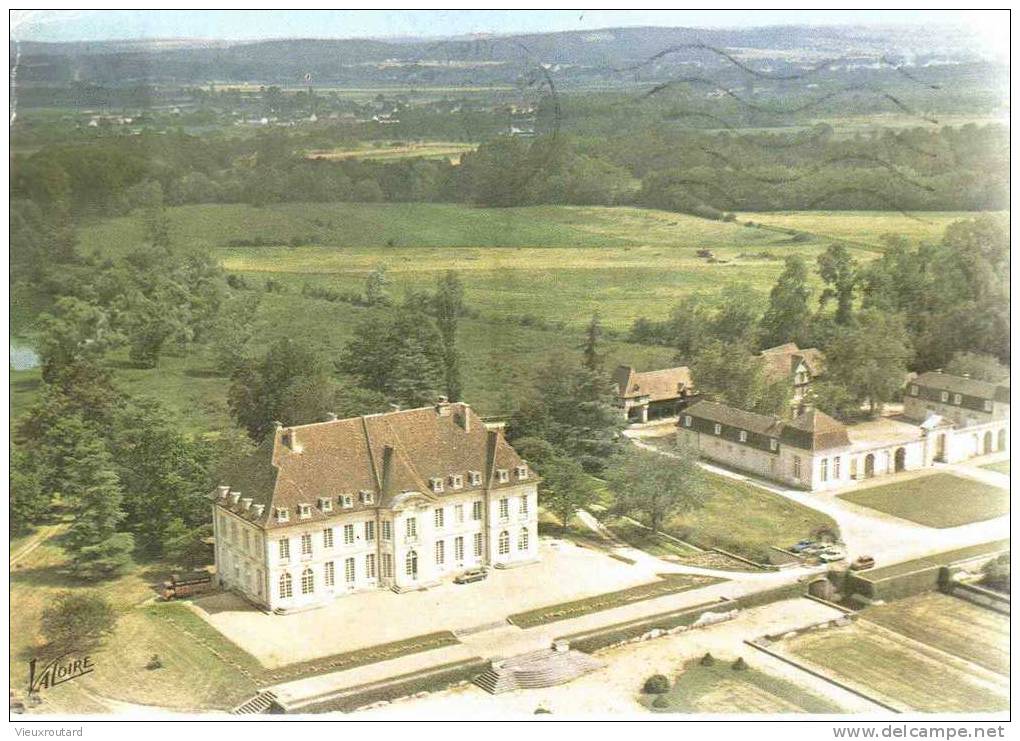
<point>504,543</point>
<point>411,563</point>
<point>286,585</point>
<point>522,539</point>
<point>307,582</point>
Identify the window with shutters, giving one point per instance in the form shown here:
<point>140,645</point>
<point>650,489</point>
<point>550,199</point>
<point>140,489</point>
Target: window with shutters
<point>387,565</point>
<point>478,545</point>
<point>286,585</point>
<point>370,566</point>
<point>349,570</point>
<point>504,508</point>
<point>476,510</point>
<point>370,531</point>
<point>327,538</point>
<point>349,534</point>
<point>387,530</point>
<point>307,581</point>
<point>306,544</point>
<point>440,552</point>
<point>439,516</point>
<point>330,573</point>
<point>504,543</point>
<point>458,548</point>
<point>522,539</point>
<point>284,549</point>
<point>411,525</point>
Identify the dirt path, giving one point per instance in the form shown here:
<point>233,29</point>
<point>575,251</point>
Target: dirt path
<point>44,533</point>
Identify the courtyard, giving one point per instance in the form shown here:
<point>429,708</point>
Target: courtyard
<point>564,573</point>
<point>938,500</point>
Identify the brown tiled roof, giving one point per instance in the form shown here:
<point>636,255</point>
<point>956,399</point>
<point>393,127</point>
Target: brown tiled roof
<point>815,430</point>
<point>968,386</point>
<point>734,417</point>
<point>781,361</point>
<point>658,385</point>
<point>385,454</point>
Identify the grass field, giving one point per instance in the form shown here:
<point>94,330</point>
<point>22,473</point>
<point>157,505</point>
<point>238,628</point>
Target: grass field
<point>900,673</point>
<point>766,519</point>
<point>1000,467</point>
<point>192,677</point>
<point>939,559</point>
<point>721,689</point>
<point>860,228</point>
<point>383,151</point>
<point>939,500</point>
<point>951,625</point>
<point>668,584</point>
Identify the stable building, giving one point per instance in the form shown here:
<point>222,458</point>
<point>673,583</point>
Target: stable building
<point>400,501</point>
<point>787,363</point>
<point>651,395</point>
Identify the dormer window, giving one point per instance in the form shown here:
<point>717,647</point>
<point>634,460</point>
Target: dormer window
<point>304,510</point>
<point>346,501</point>
<point>717,429</point>
<point>366,497</point>
<point>988,405</point>
<point>282,514</point>
<point>522,472</point>
<point>456,481</point>
<point>474,478</point>
<point>503,475</point>
<point>913,389</point>
<point>957,399</point>
<point>743,436</point>
<point>326,504</point>
<point>436,485</point>
<point>687,420</point>
<point>773,444</point>
<point>944,396</point>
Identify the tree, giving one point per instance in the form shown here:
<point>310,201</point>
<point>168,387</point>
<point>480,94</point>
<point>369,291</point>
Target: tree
<point>77,621</point>
<point>838,269</point>
<point>869,358</point>
<point>730,374</point>
<point>979,366</point>
<point>78,332</point>
<point>535,450</point>
<point>184,545</point>
<point>653,488</point>
<point>375,287</point>
<point>590,349</point>
<point>995,574</point>
<point>565,489</point>
<point>787,316</point>
<point>448,304</point>
<point>289,384</point>
<point>28,500</point>
<point>736,315</point>
<point>233,332</point>
<point>105,559</point>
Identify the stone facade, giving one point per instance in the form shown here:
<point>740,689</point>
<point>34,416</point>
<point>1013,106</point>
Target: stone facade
<point>287,555</point>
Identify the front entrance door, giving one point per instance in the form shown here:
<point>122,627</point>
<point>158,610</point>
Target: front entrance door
<point>940,448</point>
<point>900,459</point>
<point>869,466</point>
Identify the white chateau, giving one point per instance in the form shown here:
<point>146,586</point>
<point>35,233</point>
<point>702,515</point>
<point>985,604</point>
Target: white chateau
<point>399,501</point>
<point>946,419</point>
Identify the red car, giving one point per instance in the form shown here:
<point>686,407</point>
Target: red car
<point>862,562</point>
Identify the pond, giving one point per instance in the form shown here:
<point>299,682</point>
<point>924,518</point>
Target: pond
<point>23,357</point>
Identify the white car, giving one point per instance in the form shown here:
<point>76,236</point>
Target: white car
<point>832,554</point>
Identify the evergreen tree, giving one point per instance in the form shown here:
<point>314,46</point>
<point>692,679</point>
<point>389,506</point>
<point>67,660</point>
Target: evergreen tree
<point>28,500</point>
<point>592,358</point>
<point>838,269</point>
<point>565,488</point>
<point>375,287</point>
<point>448,305</point>
<point>787,316</point>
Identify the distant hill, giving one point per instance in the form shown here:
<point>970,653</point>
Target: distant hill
<point>576,56</point>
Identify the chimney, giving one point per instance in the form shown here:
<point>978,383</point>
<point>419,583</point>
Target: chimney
<point>259,509</point>
<point>331,417</point>
<point>246,503</point>
<point>394,407</point>
<point>464,416</point>
<point>966,375</point>
<point>443,406</point>
<point>222,491</point>
<point>235,496</point>
<point>387,467</point>
<point>290,440</point>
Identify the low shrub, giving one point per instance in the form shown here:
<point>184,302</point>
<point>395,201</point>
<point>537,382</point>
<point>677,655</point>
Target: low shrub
<point>661,702</point>
<point>657,684</point>
<point>707,660</point>
<point>739,665</point>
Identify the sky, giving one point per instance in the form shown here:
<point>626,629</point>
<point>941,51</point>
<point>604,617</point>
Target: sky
<point>96,25</point>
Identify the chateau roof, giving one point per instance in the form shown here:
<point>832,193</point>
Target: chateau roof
<point>658,385</point>
<point>967,386</point>
<point>727,415</point>
<point>393,456</point>
<point>781,361</point>
<point>812,430</point>
<point>815,430</point>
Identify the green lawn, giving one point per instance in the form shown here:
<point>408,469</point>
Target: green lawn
<point>721,689</point>
<point>900,673</point>
<point>862,228</point>
<point>939,500</point>
<point>953,625</point>
<point>1000,467</point>
<point>746,520</point>
<point>939,559</point>
<point>667,584</point>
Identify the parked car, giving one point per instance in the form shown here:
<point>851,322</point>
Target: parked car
<point>862,562</point>
<point>471,575</point>
<point>831,554</point>
<point>800,545</point>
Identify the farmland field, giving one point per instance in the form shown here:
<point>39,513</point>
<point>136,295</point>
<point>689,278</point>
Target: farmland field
<point>395,151</point>
<point>939,500</point>
<point>900,673</point>
<point>953,625</point>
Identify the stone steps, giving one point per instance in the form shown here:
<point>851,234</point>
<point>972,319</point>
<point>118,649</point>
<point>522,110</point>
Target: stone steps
<point>258,705</point>
<point>544,668</point>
